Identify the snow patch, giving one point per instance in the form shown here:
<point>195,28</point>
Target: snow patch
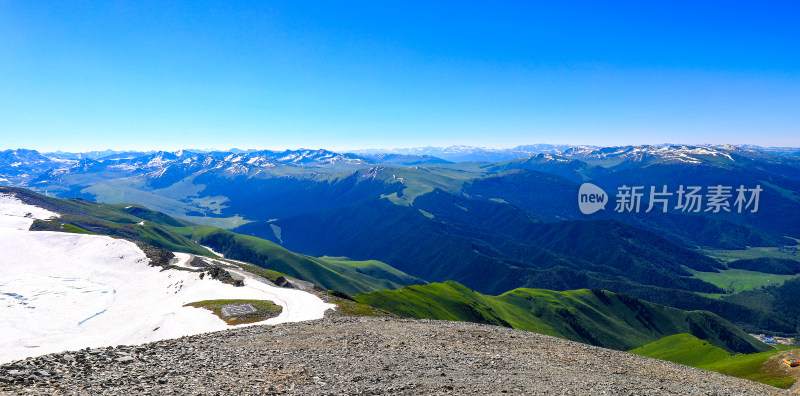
<point>61,291</point>
<point>182,259</point>
<point>212,251</point>
<point>15,214</point>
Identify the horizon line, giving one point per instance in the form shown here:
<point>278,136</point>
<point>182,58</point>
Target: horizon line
<point>352,150</point>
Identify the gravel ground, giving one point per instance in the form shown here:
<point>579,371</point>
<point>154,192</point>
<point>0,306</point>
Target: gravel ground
<point>352,355</point>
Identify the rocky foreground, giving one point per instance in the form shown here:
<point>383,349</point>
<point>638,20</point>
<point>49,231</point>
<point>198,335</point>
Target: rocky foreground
<point>346,355</point>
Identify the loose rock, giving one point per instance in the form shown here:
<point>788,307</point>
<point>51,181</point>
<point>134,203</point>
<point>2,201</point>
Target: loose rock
<point>373,356</point>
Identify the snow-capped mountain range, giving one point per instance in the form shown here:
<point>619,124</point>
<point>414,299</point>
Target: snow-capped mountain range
<point>22,167</point>
<point>29,167</point>
<point>581,152</point>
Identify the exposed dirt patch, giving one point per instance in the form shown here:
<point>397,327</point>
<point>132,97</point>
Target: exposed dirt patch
<point>776,364</point>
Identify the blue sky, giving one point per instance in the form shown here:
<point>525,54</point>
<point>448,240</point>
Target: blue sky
<point>159,75</point>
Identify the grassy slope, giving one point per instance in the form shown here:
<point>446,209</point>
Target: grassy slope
<point>346,276</point>
<point>151,233</point>
<point>373,268</point>
<point>684,349</point>
<point>753,367</point>
<point>738,280</point>
<point>781,252</point>
<point>691,351</point>
<point>596,317</point>
<point>421,180</point>
<point>128,221</point>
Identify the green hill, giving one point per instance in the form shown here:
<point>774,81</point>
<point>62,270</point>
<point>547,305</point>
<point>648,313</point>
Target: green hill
<point>754,367</point>
<point>347,276</point>
<point>592,316</point>
<point>393,277</point>
<point>684,349</point>
<point>691,351</point>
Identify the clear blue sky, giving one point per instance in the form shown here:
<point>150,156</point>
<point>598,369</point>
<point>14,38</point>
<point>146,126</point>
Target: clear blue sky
<point>161,75</point>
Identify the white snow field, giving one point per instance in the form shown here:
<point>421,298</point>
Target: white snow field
<point>62,291</point>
